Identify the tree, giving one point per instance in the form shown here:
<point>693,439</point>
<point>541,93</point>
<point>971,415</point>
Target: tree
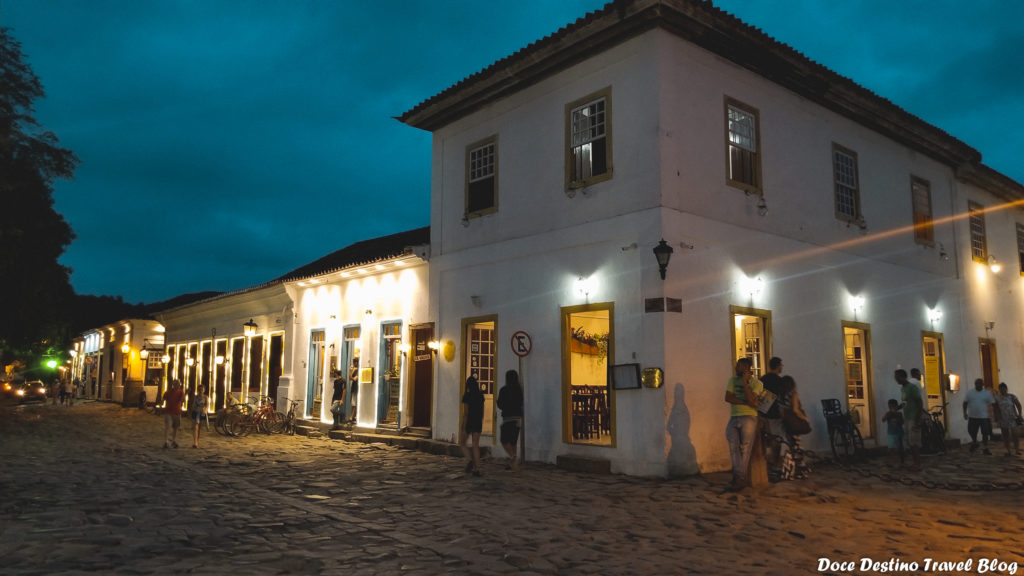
<point>35,290</point>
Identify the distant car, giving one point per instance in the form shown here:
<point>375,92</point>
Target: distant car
<point>33,390</point>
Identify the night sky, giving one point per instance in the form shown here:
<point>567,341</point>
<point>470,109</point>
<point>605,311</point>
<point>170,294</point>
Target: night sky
<point>226,142</point>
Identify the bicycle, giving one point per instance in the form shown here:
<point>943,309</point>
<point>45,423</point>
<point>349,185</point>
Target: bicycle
<point>933,433</point>
<point>224,415</point>
<point>843,435</point>
<point>290,419</point>
<point>264,419</point>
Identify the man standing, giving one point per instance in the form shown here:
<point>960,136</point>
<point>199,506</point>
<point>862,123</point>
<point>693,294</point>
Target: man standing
<point>338,398</point>
<point>977,412</point>
<point>913,413</point>
<point>772,382</point>
<point>742,393</point>
<point>172,413</point>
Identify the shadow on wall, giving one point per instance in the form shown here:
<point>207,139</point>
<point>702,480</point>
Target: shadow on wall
<point>682,457</point>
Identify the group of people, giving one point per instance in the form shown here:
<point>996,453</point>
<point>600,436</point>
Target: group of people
<point>981,407</point>
<point>510,402</point>
<point>174,399</point>
<point>341,389</point>
<point>770,402</point>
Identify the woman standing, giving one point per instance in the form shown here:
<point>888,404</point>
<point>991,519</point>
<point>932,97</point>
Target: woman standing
<point>510,401</point>
<point>197,410</point>
<point>473,400</point>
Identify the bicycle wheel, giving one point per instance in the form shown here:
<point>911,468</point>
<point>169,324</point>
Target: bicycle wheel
<point>858,443</point>
<point>289,424</point>
<point>219,420</point>
<point>240,425</point>
<point>272,423</point>
<point>842,445</point>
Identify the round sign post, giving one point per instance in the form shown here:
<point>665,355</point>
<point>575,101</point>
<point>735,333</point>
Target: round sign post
<point>521,346</point>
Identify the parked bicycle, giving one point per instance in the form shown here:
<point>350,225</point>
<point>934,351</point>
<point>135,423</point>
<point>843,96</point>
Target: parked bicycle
<point>291,419</point>
<point>263,419</point>
<point>933,432</point>
<point>843,435</point>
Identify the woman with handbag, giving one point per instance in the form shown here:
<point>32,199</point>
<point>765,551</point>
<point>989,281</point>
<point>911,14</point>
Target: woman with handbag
<point>796,423</point>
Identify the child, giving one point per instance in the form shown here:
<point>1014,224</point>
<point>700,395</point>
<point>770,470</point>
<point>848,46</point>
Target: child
<point>894,427</point>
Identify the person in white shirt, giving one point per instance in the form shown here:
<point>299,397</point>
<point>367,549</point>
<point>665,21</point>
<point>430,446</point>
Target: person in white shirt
<point>978,413</point>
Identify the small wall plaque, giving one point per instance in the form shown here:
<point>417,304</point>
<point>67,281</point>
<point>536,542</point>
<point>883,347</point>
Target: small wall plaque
<point>652,377</point>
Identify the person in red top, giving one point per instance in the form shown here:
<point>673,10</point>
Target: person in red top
<point>172,413</point>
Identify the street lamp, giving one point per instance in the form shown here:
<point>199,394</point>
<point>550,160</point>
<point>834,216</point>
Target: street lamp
<point>662,252</point>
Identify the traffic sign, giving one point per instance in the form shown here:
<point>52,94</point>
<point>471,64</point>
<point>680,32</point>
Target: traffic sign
<point>521,343</point>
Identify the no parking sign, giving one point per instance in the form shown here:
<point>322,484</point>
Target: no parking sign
<point>521,343</point>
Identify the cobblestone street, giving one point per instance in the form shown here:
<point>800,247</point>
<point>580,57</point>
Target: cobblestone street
<point>89,489</point>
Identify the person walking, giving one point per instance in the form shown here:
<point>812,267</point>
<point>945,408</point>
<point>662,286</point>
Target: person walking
<point>913,414</point>
<point>197,411</point>
<point>741,393</point>
<point>473,400</point>
<point>1009,414</point>
<point>510,401</point>
<point>172,413</point>
<point>978,413</point>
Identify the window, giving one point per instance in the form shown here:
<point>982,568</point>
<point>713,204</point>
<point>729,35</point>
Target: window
<point>976,217</point>
<point>482,177</point>
<point>1020,247</point>
<point>847,185</point>
<point>588,127</point>
<point>921,198</point>
<point>743,155</point>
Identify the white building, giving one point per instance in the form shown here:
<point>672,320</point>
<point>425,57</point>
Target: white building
<point>809,219</point>
<point>281,339</point>
<point>114,360</point>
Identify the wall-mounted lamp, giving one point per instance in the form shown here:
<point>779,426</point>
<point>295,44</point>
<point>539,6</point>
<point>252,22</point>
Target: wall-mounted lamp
<point>166,358</point>
<point>434,346</point>
<point>994,265</point>
<point>942,253</point>
<point>190,361</point>
<point>585,285</point>
<point>219,360</point>
<point>753,286</point>
<point>989,326</point>
<point>249,328</point>
<point>762,206</point>
<point>368,312</point>
<point>144,353</point>
<point>952,382</point>
<point>125,349</point>
<point>476,300</point>
<point>662,253</point>
<point>404,349</point>
<point>934,315</point>
<point>856,304</point>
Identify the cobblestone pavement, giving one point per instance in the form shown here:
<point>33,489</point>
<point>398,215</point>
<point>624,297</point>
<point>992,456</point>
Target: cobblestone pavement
<point>88,489</point>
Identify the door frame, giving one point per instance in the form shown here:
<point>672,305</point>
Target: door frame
<point>464,357</point>
<point>869,392</point>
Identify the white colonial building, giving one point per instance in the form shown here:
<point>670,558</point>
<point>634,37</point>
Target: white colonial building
<point>808,217</point>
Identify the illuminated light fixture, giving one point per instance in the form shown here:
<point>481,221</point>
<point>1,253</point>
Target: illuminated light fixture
<point>399,262</point>
<point>166,359</point>
<point>662,253</point>
<point>952,382</point>
<point>404,348</point>
<point>74,353</point>
<point>585,285</point>
<point>753,286</point>
<point>434,346</point>
<point>144,353</point>
<point>934,315</point>
<point>302,284</point>
<point>190,361</point>
<point>344,274</point>
<point>219,360</point>
<point>361,270</point>
<point>125,348</point>
<point>994,265</point>
<point>379,266</point>
<point>857,303</point>
<point>249,328</point>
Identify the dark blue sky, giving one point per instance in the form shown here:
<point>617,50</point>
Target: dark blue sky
<point>225,142</point>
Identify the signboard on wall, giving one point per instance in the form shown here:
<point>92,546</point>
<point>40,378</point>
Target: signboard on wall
<point>521,344</point>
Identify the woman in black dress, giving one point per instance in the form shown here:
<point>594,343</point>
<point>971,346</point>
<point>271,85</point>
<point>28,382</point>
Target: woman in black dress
<point>473,399</point>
